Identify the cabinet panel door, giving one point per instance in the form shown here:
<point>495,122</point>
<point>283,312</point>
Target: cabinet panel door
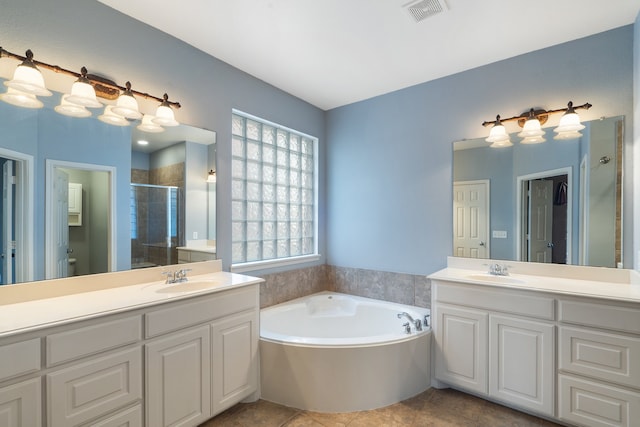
<point>595,404</point>
<point>521,362</point>
<point>604,355</point>
<point>461,346</point>
<point>20,404</point>
<point>94,388</point>
<point>179,379</point>
<point>234,359</point>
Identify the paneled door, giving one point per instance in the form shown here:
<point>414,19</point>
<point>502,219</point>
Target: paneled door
<point>471,219</point>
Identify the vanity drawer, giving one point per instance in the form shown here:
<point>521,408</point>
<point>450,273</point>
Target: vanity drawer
<point>600,355</point>
<point>203,310</point>
<point>604,316</point>
<point>94,388</point>
<point>596,404</point>
<point>518,302</point>
<point>131,417</point>
<point>95,338</point>
<point>19,358</point>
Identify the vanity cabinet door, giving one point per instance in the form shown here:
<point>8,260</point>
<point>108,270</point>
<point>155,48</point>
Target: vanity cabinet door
<point>521,362</point>
<point>234,359</point>
<point>178,387</point>
<point>461,346</point>
<point>20,404</point>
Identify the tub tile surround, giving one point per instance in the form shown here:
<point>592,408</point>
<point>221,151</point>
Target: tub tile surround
<point>400,288</point>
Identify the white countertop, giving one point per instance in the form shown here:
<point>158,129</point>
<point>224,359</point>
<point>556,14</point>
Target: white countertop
<point>601,289</point>
<point>39,313</point>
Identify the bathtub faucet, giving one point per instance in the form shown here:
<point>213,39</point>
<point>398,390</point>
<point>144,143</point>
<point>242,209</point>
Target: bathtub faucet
<point>417,322</point>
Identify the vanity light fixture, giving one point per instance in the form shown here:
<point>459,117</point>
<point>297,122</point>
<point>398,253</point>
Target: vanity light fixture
<point>147,125</point>
<point>82,93</point>
<point>127,106</point>
<point>498,135</point>
<point>531,123</point>
<point>21,99</point>
<point>71,109</point>
<point>27,78</point>
<point>211,177</point>
<point>28,83</point>
<point>164,114</point>
<point>111,118</point>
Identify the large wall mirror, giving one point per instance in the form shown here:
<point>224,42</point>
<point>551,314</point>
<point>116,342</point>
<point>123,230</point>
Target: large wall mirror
<point>82,197</point>
<point>555,202</point>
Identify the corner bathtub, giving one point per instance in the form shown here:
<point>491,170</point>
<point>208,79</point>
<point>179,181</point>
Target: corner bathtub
<point>332,352</point>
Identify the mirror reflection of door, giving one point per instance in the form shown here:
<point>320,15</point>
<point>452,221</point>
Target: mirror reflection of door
<point>471,219</point>
<point>8,224</point>
<point>79,233</point>
<point>544,229</point>
<point>61,222</point>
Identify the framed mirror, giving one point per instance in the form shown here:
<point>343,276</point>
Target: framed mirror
<point>557,201</point>
<point>99,160</point>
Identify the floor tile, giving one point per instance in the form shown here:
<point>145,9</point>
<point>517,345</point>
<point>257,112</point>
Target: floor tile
<point>433,408</point>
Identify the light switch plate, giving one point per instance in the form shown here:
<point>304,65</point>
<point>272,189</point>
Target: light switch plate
<point>499,234</point>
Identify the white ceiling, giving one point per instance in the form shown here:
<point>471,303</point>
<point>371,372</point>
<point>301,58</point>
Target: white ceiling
<point>335,52</point>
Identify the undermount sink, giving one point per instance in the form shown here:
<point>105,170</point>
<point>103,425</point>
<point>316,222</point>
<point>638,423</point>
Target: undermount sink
<point>486,277</point>
<point>187,287</point>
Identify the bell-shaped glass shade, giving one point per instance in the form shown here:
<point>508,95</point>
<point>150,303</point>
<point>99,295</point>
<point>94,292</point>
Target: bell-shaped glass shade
<point>164,116</point>
<point>82,93</point>
<point>498,133</point>
<point>501,144</point>
<point>569,127</point>
<point>148,125</point>
<point>211,177</point>
<point>28,79</point>
<point>112,118</point>
<point>18,98</point>
<point>127,106</point>
<point>537,139</point>
<point>70,109</point>
<point>531,128</point>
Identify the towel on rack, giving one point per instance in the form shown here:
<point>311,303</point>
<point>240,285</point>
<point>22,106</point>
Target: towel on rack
<point>561,194</point>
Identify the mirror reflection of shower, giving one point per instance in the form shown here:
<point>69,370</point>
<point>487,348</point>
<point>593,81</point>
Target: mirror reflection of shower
<point>155,225</point>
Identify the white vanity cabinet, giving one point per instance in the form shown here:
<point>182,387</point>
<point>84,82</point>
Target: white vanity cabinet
<point>599,363</point>
<point>174,363</point>
<point>204,358</point>
<point>499,343</point>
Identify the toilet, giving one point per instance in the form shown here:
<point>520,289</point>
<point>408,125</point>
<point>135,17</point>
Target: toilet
<point>71,269</point>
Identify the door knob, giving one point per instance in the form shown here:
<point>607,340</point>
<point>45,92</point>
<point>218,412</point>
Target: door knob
<point>481,243</point>
<point>550,245</point>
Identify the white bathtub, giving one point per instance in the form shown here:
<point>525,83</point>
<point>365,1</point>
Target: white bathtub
<point>331,352</point>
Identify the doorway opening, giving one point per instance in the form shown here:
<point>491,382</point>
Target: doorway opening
<point>544,217</point>
<point>16,232</point>
<point>80,206</point>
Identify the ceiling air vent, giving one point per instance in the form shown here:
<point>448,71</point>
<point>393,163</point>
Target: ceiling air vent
<point>422,9</point>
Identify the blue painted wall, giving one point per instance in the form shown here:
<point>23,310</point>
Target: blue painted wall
<point>389,158</point>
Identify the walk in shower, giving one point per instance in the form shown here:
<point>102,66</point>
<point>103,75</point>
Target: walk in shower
<point>155,225</point>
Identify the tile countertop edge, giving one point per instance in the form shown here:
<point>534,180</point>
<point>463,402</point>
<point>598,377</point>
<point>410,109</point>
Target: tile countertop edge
<point>555,285</point>
<point>44,313</point>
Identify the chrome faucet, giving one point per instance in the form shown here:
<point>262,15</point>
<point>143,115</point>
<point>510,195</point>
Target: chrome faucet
<point>417,322</point>
<point>177,276</point>
<point>498,270</point>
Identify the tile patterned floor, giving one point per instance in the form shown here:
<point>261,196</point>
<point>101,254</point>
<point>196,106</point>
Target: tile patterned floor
<point>433,408</point>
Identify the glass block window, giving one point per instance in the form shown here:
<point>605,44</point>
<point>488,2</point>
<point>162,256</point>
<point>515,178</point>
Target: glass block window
<point>273,191</point>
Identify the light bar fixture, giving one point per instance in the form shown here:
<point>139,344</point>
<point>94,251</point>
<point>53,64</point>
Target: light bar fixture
<point>531,123</point>
<point>28,83</point>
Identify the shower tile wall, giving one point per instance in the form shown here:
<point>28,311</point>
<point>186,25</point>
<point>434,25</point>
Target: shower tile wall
<point>395,287</point>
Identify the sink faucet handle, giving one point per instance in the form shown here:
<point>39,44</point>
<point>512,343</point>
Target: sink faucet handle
<point>171,276</point>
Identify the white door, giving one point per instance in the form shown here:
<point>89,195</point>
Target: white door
<point>7,222</point>
<point>61,222</point>
<point>471,219</point>
<point>540,220</point>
